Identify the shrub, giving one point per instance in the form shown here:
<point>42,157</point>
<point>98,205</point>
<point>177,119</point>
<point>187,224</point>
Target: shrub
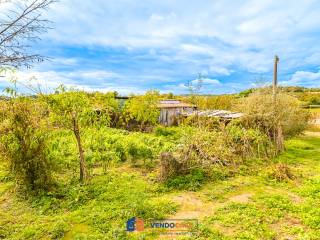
<point>214,102</point>
<point>211,123</point>
<point>310,98</point>
<point>280,172</point>
<point>143,109</point>
<point>227,146</point>
<point>23,142</point>
<point>266,115</point>
<point>204,149</point>
<point>169,166</point>
<point>278,118</point>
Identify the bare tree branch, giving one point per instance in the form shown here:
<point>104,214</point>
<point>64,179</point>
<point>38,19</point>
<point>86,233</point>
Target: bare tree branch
<point>21,26</point>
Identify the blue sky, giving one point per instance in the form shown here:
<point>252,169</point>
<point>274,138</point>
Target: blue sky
<point>131,46</point>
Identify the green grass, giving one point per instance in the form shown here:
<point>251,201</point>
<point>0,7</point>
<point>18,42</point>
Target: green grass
<point>98,210</point>
<point>275,210</point>
<point>247,204</point>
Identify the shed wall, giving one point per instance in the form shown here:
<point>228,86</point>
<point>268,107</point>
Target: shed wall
<point>171,116</point>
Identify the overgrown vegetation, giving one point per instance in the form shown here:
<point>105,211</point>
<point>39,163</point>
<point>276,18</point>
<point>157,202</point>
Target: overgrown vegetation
<point>74,110</point>
<point>99,209</point>
<point>143,110</point>
<point>278,118</point>
<point>230,146</point>
<point>50,140</point>
<point>244,184</point>
<point>24,141</point>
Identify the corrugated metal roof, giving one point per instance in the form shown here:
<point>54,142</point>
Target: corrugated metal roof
<point>215,113</point>
<point>170,101</point>
<point>173,104</point>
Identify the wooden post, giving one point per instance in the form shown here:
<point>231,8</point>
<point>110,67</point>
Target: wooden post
<point>278,135</point>
<point>275,76</point>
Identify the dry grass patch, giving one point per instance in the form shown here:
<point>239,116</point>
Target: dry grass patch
<point>241,198</point>
<point>192,206</point>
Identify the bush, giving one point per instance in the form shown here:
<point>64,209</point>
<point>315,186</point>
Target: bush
<point>214,102</point>
<point>227,146</point>
<point>279,118</point>
<point>310,98</point>
<point>169,166</point>
<point>211,123</point>
<point>23,142</point>
<point>205,149</point>
<point>280,172</point>
<point>261,112</point>
<point>143,109</point>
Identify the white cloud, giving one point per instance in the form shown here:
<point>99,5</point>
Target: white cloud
<point>5,6</point>
<point>135,23</point>
<point>247,34</point>
<point>220,70</point>
<point>196,49</point>
<point>65,61</point>
<point>217,37</point>
<point>310,79</point>
<point>207,81</point>
<point>211,81</point>
<point>98,74</point>
<point>49,80</point>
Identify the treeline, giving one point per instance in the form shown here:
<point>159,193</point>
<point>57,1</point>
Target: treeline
<point>307,96</point>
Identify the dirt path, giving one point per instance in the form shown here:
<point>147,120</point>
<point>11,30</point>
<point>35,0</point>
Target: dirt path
<point>194,206</point>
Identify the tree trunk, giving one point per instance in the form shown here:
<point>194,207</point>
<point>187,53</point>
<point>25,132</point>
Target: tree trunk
<point>83,168</point>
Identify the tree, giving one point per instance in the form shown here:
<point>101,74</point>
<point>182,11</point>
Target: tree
<point>74,109</point>
<point>194,88</point>
<point>144,108</point>
<point>18,27</point>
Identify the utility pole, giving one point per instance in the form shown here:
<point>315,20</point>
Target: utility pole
<point>278,135</point>
<point>275,76</point>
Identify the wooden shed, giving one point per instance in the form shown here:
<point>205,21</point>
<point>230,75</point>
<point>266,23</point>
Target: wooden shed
<point>172,110</point>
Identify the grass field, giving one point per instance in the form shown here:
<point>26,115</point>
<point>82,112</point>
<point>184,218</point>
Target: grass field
<point>249,204</point>
<point>257,207</point>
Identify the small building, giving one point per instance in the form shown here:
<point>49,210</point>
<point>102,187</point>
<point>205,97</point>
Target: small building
<point>172,110</point>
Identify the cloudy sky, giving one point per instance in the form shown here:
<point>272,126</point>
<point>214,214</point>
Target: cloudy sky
<point>131,45</point>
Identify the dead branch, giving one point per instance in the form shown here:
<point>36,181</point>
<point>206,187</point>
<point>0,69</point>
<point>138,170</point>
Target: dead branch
<point>19,27</point>
<point>206,157</point>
